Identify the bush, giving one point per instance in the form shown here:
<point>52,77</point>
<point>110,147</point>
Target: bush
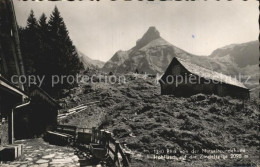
<point>182,115</point>
<point>146,139</point>
<point>105,121</point>
<point>134,145</point>
<point>121,132</point>
<point>191,125</point>
<point>198,97</point>
<point>214,109</point>
<point>88,89</point>
<point>162,119</point>
<point>146,108</point>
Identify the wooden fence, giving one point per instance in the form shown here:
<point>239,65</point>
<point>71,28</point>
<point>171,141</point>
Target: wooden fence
<point>94,136</point>
<point>115,150</point>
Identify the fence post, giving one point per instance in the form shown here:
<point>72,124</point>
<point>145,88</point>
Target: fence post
<point>128,155</point>
<point>108,138</point>
<point>93,134</point>
<point>116,153</point>
<point>97,136</point>
<point>102,137</point>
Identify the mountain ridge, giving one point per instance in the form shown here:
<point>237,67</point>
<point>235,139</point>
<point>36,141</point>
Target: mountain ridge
<point>88,62</point>
<point>149,49</point>
<point>152,54</point>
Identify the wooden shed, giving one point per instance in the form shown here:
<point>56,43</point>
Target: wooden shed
<point>183,78</point>
<point>38,117</point>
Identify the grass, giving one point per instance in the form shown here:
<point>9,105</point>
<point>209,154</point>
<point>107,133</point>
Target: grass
<point>144,120</point>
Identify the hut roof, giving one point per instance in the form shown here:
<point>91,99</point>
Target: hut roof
<point>37,91</point>
<point>209,74</point>
<point>9,86</point>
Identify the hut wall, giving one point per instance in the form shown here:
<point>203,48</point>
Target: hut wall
<point>188,89</point>
<point>228,90</point>
<point>4,133</point>
<point>167,89</point>
<point>36,119</point>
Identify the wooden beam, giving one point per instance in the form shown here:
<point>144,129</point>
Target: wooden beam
<point>11,127</point>
<point>10,88</point>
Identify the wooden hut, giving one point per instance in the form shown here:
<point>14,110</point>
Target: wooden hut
<point>183,78</point>
<point>38,117</point>
<point>16,105</point>
<point>11,96</point>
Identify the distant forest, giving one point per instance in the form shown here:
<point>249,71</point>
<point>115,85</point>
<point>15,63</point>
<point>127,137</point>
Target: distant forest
<point>48,50</point>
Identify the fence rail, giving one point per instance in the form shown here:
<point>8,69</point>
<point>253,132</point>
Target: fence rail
<point>104,139</point>
<point>115,149</point>
<point>76,109</point>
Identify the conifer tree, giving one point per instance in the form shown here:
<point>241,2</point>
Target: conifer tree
<point>43,28</point>
<point>32,23</point>
<point>44,44</point>
<point>48,50</point>
<point>64,55</point>
<point>30,44</point>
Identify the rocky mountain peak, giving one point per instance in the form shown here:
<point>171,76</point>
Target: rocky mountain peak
<point>151,34</point>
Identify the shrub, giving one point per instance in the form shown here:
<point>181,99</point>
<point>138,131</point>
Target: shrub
<point>162,119</point>
<point>121,132</point>
<point>146,108</point>
<point>191,125</point>
<point>105,121</point>
<point>146,139</point>
<point>182,115</point>
<point>198,97</point>
<point>214,108</point>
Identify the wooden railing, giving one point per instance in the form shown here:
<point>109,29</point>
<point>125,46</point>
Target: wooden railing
<point>104,138</point>
<point>67,129</point>
<point>113,146</point>
<point>76,109</point>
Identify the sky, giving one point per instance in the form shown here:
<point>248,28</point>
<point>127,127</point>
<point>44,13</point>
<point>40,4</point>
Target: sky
<point>99,29</point>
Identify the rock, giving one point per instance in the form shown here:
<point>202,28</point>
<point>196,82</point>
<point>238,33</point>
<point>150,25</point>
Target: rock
<point>63,160</point>
<point>42,161</point>
<point>44,165</point>
<point>24,165</point>
<point>29,159</point>
<point>48,156</point>
<point>28,147</point>
<point>34,165</point>
<point>124,119</point>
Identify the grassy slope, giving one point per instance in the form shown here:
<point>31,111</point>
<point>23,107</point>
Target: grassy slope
<point>144,120</point>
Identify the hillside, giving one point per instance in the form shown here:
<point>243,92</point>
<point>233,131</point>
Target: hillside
<point>88,62</point>
<point>242,55</point>
<point>144,120</point>
<point>238,59</point>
